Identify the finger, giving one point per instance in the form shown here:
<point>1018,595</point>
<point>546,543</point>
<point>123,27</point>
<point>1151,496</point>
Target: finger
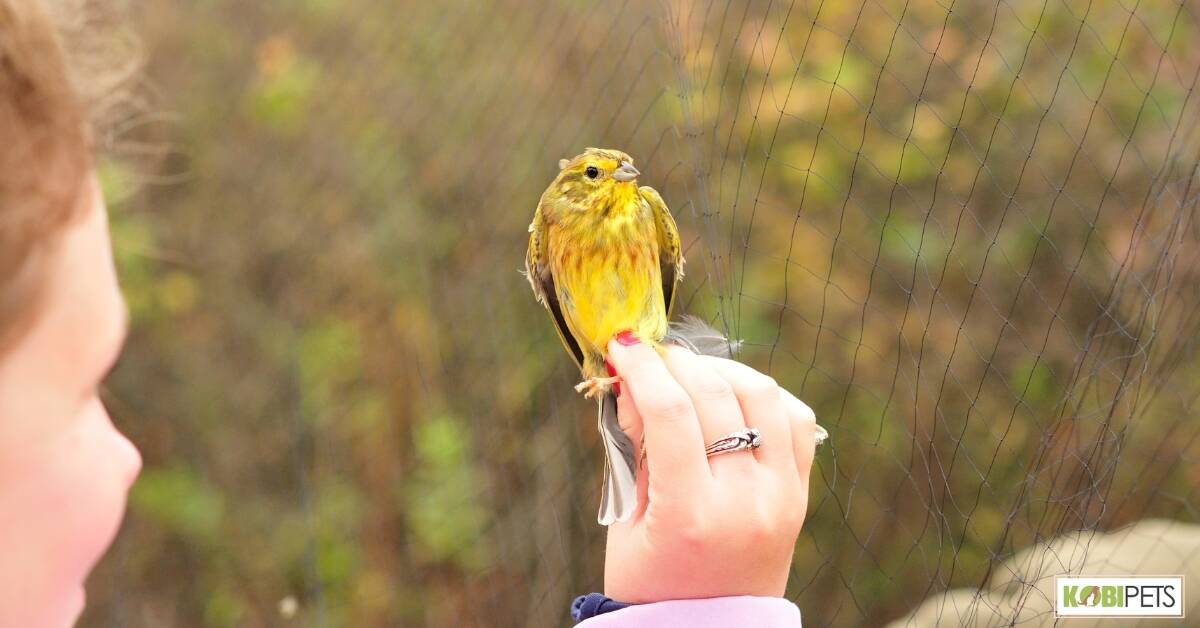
<point>763,408</point>
<point>629,418</point>
<point>631,423</point>
<point>676,466</point>
<point>804,433</point>
<point>716,405</point>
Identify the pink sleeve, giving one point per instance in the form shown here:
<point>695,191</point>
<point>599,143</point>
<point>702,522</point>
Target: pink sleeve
<point>717,612</point>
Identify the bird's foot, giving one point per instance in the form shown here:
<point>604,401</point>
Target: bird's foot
<point>593,386</point>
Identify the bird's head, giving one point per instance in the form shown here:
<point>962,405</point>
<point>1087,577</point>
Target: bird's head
<point>597,174</point>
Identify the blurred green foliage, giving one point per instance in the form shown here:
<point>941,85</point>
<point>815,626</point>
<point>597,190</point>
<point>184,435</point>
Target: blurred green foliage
<point>179,501</point>
<point>954,231</point>
<point>441,501</point>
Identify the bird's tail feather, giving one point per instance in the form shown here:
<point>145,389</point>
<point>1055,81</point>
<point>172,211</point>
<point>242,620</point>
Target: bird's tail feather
<point>693,333</point>
<point>618,497</point>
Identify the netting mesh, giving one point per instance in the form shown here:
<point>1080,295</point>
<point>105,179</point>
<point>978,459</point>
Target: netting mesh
<point>963,233</point>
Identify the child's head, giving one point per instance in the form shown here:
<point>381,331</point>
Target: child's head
<point>64,468</point>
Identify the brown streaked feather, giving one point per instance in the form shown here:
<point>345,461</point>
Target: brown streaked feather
<point>560,323</point>
<point>670,251</point>
<point>542,282</point>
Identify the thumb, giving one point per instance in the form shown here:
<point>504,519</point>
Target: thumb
<point>630,421</point>
<point>628,417</point>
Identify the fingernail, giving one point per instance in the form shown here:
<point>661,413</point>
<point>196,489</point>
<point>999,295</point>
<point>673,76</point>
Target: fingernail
<point>612,372</point>
<point>627,338</point>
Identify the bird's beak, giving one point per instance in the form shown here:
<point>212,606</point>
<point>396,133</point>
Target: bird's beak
<point>626,172</point>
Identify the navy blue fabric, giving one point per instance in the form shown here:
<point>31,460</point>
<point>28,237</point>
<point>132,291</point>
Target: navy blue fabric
<point>592,604</point>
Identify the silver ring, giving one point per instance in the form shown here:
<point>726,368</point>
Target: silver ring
<point>746,438</point>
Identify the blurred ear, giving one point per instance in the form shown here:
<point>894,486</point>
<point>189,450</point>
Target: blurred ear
<point>562,163</point>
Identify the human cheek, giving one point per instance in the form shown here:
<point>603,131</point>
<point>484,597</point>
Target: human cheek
<point>60,507</point>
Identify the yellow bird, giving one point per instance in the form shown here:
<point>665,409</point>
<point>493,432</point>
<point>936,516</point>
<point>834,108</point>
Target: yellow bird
<point>603,258</point>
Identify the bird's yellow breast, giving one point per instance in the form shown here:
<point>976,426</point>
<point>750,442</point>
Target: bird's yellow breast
<point>607,274</point>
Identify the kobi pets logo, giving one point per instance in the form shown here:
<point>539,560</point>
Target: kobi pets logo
<point>1119,596</point>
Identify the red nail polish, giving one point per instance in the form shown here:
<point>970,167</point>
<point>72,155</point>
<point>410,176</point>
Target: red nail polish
<point>612,372</point>
<point>627,338</point>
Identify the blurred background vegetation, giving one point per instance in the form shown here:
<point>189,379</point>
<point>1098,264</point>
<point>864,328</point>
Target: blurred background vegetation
<point>964,233</point>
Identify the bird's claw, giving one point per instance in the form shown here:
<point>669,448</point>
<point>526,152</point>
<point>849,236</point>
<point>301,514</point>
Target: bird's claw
<point>593,386</point>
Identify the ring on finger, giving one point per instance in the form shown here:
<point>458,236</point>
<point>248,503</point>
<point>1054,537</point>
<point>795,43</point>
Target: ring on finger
<point>746,438</point>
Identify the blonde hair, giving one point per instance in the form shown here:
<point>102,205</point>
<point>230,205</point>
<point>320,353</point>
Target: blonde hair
<point>44,157</point>
<point>58,84</point>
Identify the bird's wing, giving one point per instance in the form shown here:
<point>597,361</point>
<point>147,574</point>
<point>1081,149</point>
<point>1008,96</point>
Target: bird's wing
<point>670,252</point>
<point>537,270</point>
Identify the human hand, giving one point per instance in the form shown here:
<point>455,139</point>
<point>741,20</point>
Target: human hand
<point>707,527</point>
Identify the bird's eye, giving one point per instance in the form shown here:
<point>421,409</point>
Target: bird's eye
<point>592,172</point>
